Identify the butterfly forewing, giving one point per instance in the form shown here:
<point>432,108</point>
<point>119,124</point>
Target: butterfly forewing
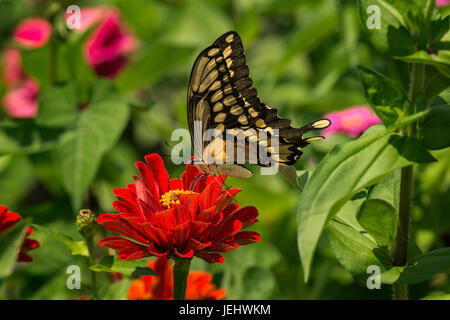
<point>222,97</point>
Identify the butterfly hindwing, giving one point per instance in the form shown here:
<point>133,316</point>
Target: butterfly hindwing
<point>222,97</point>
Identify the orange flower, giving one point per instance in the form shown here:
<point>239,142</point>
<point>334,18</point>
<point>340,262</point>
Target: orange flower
<point>160,287</point>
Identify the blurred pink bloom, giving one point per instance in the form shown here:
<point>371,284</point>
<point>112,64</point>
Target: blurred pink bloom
<point>12,70</point>
<point>90,16</point>
<point>32,32</point>
<point>21,102</point>
<point>442,3</point>
<point>110,44</point>
<point>352,121</point>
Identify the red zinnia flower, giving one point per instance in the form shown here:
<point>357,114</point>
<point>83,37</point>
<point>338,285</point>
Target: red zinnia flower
<point>162,217</point>
<point>160,287</point>
<point>8,220</point>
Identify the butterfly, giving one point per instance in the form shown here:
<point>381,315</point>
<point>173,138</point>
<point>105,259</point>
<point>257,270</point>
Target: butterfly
<point>221,101</point>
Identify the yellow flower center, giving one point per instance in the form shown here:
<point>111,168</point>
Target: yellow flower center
<point>173,196</point>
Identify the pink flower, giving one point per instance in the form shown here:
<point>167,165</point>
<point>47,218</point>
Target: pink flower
<point>21,102</point>
<point>89,17</point>
<point>32,33</point>
<point>352,121</point>
<point>442,3</point>
<point>12,70</point>
<point>108,48</point>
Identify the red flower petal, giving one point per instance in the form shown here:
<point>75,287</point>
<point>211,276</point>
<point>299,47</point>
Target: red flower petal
<point>156,165</point>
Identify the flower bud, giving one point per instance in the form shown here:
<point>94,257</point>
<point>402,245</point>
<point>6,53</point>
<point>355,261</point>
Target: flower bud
<point>86,222</point>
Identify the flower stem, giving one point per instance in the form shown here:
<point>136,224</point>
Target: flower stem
<point>180,275</point>
<point>90,245</point>
<point>406,184</point>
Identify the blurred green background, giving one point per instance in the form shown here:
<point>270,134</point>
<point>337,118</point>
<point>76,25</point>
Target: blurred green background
<point>302,57</point>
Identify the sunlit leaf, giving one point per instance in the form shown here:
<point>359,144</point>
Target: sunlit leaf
<point>342,173</point>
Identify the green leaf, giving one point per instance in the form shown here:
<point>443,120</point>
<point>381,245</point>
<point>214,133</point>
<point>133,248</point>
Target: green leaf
<point>80,150</point>
<point>57,106</point>
<point>434,129</point>
<point>436,83</point>
<point>135,268</point>
<point>36,62</point>
<point>437,297</point>
<point>10,244</point>
<point>149,67</point>
<point>440,61</point>
<point>354,251</point>
<point>422,268</point>
<point>388,189</point>
<point>247,273</point>
<point>385,96</point>
<point>379,219</point>
<point>75,247</point>
<point>307,38</point>
<point>392,37</point>
<point>25,137</point>
<point>342,173</point>
<point>16,180</point>
<point>115,291</point>
<point>290,174</point>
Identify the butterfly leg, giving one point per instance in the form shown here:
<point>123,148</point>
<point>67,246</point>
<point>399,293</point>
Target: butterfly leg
<point>197,179</point>
<point>222,183</point>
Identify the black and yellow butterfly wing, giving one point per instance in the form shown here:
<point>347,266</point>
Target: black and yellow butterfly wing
<point>222,97</point>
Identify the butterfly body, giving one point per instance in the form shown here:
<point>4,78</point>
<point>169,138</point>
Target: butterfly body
<point>228,123</point>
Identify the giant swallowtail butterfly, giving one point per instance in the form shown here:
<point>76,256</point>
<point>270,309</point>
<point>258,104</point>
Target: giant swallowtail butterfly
<point>221,97</point>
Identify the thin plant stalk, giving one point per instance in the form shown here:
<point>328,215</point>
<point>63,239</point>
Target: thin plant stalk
<point>406,185</point>
<point>90,245</point>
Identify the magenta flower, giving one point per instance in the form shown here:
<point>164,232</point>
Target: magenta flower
<point>12,69</point>
<point>352,121</point>
<point>22,101</point>
<point>108,48</point>
<point>32,33</point>
<point>442,3</point>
